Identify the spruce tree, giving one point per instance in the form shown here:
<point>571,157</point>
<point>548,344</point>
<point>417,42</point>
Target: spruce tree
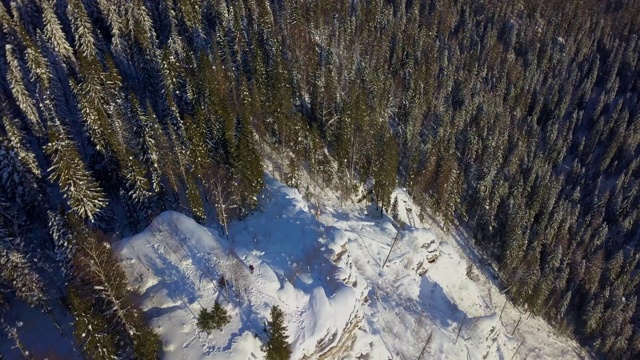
<point>19,90</point>
<point>394,209</point>
<point>63,242</point>
<point>277,345</point>
<point>247,167</point>
<point>216,319</point>
<point>92,331</point>
<point>19,183</point>
<point>54,33</point>
<point>17,273</point>
<point>97,268</point>
<point>82,29</point>
<point>83,194</point>
<point>19,142</point>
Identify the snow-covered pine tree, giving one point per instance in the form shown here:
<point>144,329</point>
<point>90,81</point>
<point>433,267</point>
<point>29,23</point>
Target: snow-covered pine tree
<point>100,271</point>
<point>247,165</point>
<point>138,183</point>
<point>113,13</point>
<point>19,91</point>
<point>141,27</point>
<point>193,197</point>
<point>36,62</point>
<point>18,141</point>
<point>93,103</point>
<point>83,194</point>
<point>198,152</point>
<point>189,181</point>
<point>82,29</point>
<point>172,68</point>
<point>18,275</point>
<point>214,319</point>
<point>54,33</point>
<point>91,331</point>
<point>20,184</point>
<point>394,209</point>
<point>385,164</point>
<point>64,245</point>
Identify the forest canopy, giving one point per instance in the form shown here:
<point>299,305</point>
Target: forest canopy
<point>519,120</point>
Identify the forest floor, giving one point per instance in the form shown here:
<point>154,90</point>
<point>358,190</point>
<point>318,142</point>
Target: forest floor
<point>320,260</point>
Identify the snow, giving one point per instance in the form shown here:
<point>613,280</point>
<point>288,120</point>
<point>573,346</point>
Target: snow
<point>326,274</point>
<point>39,333</point>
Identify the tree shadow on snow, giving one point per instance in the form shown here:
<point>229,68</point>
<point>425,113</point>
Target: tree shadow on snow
<point>172,279</point>
<point>435,301</point>
<point>481,260</point>
<point>288,236</point>
<point>464,239</point>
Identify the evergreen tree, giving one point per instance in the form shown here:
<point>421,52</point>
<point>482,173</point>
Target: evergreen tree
<point>384,170</point>
<point>20,277</point>
<point>217,318</point>
<point>92,332</point>
<point>20,185</point>
<point>82,26</point>
<point>64,246</point>
<point>18,141</point>
<point>84,196</point>
<point>54,33</point>
<point>277,346</point>
<point>36,62</point>
<point>20,92</point>
<point>247,167</point>
<point>98,269</point>
<point>394,209</point>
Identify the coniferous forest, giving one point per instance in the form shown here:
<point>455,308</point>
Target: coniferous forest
<point>520,120</point>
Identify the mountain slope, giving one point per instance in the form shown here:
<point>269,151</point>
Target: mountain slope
<point>325,273</point>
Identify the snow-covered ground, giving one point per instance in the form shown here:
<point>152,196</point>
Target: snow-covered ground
<point>326,273</point>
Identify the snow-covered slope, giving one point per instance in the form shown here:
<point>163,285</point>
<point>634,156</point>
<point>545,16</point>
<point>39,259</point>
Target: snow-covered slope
<point>326,273</point>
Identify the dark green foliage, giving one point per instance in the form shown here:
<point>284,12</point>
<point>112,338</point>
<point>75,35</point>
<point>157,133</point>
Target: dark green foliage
<point>147,343</point>
<point>104,297</point>
<point>277,345</point>
<point>84,195</point>
<point>91,330</point>
<point>247,167</point>
<point>384,169</point>
<point>214,319</point>
<point>394,209</point>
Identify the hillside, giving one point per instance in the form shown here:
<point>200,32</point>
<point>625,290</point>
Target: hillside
<point>325,272</point>
<point>518,121</point>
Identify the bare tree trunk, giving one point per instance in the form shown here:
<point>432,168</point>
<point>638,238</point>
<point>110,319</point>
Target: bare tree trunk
<point>518,323</point>
<point>426,343</point>
<point>390,249</point>
<point>518,348</point>
<point>501,311</point>
<point>460,328</point>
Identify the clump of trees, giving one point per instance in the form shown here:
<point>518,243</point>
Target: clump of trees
<point>216,318</point>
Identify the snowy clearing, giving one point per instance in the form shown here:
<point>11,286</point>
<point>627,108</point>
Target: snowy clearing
<point>325,273</point>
